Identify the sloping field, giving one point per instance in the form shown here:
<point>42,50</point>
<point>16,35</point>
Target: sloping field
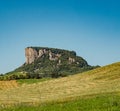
<point>100,80</point>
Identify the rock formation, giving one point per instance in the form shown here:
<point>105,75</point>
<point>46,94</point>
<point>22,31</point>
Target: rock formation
<point>32,54</point>
<point>51,62</point>
<point>71,60</point>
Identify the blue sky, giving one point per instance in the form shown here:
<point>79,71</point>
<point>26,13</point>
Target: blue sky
<point>90,27</point>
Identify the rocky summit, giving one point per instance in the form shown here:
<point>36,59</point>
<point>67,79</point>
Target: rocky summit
<point>33,54</point>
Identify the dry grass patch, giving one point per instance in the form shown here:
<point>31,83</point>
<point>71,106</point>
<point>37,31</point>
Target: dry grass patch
<point>8,84</point>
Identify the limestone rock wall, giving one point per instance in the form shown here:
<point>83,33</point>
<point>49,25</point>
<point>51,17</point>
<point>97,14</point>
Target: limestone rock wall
<point>32,54</point>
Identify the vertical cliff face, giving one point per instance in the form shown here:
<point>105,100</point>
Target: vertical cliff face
<point>31,54</point>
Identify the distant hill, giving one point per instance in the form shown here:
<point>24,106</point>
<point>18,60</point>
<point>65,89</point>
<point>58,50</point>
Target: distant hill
<point>49,62</point>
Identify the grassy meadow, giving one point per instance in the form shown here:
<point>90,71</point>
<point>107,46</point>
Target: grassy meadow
<point>102,102</point>
<point>95,90</point>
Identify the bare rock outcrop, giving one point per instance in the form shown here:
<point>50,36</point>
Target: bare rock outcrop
<point>71,60</point>
<point>53,56</point>
<point>42,52</point>
<point>31,54</point>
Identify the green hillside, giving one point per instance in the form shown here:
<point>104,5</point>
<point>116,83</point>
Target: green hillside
<point>98,88</point>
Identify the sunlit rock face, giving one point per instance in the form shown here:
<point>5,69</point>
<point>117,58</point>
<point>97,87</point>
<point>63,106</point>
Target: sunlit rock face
<point>31,54</point>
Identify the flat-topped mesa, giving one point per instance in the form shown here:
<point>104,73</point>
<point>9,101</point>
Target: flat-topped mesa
<point>33,53</point>
<point>52,62</point>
